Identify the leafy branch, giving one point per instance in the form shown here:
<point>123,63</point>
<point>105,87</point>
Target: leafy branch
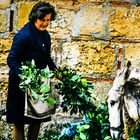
<point>76,91</point>
<point>35,81</point>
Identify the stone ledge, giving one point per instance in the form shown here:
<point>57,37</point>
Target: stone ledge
<point>128,40</point>
<point>119,3</point>
<point>83,38</point>
<point>112,39</point>
<point>67,7</point>
<point>77,1</point>
<point>91,2</point>
<point>100,79</point>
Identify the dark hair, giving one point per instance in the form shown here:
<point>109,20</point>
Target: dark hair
<point>40,10</point>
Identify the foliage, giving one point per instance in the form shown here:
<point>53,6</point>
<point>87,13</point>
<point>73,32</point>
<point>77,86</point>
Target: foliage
<point>134,132</point>
<point>76,91</point>
<point>94,125</point>
<point>33,79</point>
<point>78,97</point>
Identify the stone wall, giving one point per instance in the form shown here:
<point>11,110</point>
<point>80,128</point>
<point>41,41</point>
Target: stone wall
<point>94,37</point>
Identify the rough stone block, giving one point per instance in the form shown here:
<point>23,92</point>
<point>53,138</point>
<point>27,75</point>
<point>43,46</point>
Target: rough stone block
<point>90,1</point>
<point>23,12</point>
<point>3,22</point>
<point>4,4</point>
<point>133,54</point>
<point>89,57</point>
<point>63,23</point>
<point>101,88</point>
<point>5,46</point>
<point>124,21</point>
<point>88,20</point>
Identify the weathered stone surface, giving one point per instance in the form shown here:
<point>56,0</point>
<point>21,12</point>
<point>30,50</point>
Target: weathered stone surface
<point>133,54</point>
<point>6,130</point>
<point>4,4</point>
<point>4,49</point>
<point>90,1</point>
<point>3,91</point>
<point>23,12</point>
<point>101,89</point>
<point>56,51</point>
<point>80,39</point>
<point>5,46</point>
<point>63,24</point>
<point>124,21</point>
<point>3,22</point>
<point>89,57</point>
<point>88,20</point>
<point>26,0</point>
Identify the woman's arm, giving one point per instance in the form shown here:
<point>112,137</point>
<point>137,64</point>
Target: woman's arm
<point>17,49</point>
<point>51,64</point>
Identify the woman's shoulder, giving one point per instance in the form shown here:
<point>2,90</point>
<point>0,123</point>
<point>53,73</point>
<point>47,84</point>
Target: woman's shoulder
<point>25,29</point>
<point>22,35</point>
<point>24,32</point>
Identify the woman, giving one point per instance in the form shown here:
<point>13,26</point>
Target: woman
<point>31,42</point>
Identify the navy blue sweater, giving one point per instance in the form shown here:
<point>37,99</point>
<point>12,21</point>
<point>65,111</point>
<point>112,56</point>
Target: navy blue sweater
<point>30,43</point>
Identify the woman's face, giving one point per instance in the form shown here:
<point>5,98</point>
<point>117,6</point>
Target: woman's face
<point>42,24</point>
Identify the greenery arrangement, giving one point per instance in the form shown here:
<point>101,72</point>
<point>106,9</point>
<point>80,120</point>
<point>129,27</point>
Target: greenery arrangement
<point>78,97</point>
<point>76,91</point>
<point>95,125</point>
<point>33,79</point>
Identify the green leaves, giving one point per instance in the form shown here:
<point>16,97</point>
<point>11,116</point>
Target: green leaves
<point>84,82</point>
<point>44,88</point>
<point>76,92</point>
<point>81,130</point>
<point>78,97</point>
<point>83,127</point>
<point>83,136</point>
<point>50,100</point>
<point>134,131</point>
<point>75,77</point>
<point>36,81</point>
<point>34,95</point>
